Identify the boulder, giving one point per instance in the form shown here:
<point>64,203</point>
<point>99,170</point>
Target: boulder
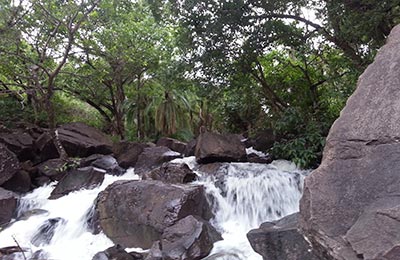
<point>212,147</point>
<point>9,164</point>
<point>127,153</point>
<point>20,182</point>
<point>281,240</point>
<point>81,140</point>
<point>45,147</point>
<point>190,149</point>
<point>81,178</point>
<point>45,232</point>
<point>189,238</point>
<point>153,157</point>
<point>255,158</point>
<point>8,206</point>
<point>350,206</point>
<point>20,143</point>
<point>262,141</point>
<point>109,164</point>
<point>171,173</point>
<point>173,144</point>
<point>104,162</point>
<point>135,213</point>
<point>155,252</point>
<point>55,169</point>
<point>113,253</point>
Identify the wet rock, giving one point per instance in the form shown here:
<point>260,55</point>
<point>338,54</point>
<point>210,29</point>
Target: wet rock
<point>109,164</point>
<point>40,255</point>
<point>19,183</point>
<point>9,164</point>
<point>127,153</point>
<point>281,240</point>
<point>350,206</point>
<point>113,253</point>
<point>262,141</point>
<point>212,147</point>
<point>254,158</point>
<point>190,148</point>
<point>81,140</point>
<point>189,238</point>
<point>82,178</point>
<point>155,252</point>
<point>54,169</point>
<point>171,173</point>
<point>153,157</point>
<point>173,144</point>
<point>45,232</point>
<point>45,147</point>
<point>33,212</point>
<point>20,143</point>
<point>135,213</point>
<point>8,206</point>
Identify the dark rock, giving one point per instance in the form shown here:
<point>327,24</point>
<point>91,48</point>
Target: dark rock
<point>350,206</point>
<point>212,147</point>
<point>137,256</point>
<point>262,141</point>
<point>9,164</point>
<point>173,144</point>
<point>189,238</point>
<point>82,178</point>
<point>20,182</point>
<point>8,206</point>
<point>135,213</point>
<point>155,252</point>
<point>191,148</point>
<point>12,253</point>
<point>45,147</point>
<point>33,212</point>
<point>81,140</point>
<point>113,253</point>
<point>254,158</point>
<point>40,255</point>
<point>127,153</point>
<point>20,143</point>
<point>281,240</point>
<point>109,164</point>
<point>55,169</point>
<point>41,181</point>
<point>171,173</point>
<point>153,157</point>
<point>45,233</point>
<point>87,161</point>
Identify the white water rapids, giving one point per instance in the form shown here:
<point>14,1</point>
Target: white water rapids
<point>244,196</point>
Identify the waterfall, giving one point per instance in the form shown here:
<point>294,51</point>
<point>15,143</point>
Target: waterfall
<point>243,195</point>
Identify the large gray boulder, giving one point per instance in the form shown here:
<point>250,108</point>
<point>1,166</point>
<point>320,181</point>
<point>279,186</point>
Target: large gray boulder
<point>351,206</point>
<point>281,240</point>
<point>135,213</point>
<point>153,157</point>
<point>9,164</point>
<point>190,238</point>
<point>213,147</point>
<point>171,173</point>
<point>81,140</point>
<point>127,153</point>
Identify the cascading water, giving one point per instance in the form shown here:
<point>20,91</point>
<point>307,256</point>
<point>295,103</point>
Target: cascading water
<point>70,238</point>
<point>243,196</point>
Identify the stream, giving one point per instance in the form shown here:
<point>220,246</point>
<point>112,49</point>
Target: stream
<point>243,195</point>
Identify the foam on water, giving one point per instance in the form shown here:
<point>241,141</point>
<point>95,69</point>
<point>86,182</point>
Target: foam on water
<point>243,195</point>
<point>71,239</point>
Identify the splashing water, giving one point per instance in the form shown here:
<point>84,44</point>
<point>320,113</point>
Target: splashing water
<point>243,196</point>
<point>72,239</point>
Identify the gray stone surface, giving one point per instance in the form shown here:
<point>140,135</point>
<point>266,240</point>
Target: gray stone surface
<point>8,206</point>
<point>9,164</point>
<point>135,213</point>
<point>281,240</point>
<point>350,207</point>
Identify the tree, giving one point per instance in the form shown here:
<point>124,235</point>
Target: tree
<point>44,36</point>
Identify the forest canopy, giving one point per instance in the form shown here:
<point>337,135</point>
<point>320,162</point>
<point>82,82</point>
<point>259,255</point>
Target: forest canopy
<point>143,69</point>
